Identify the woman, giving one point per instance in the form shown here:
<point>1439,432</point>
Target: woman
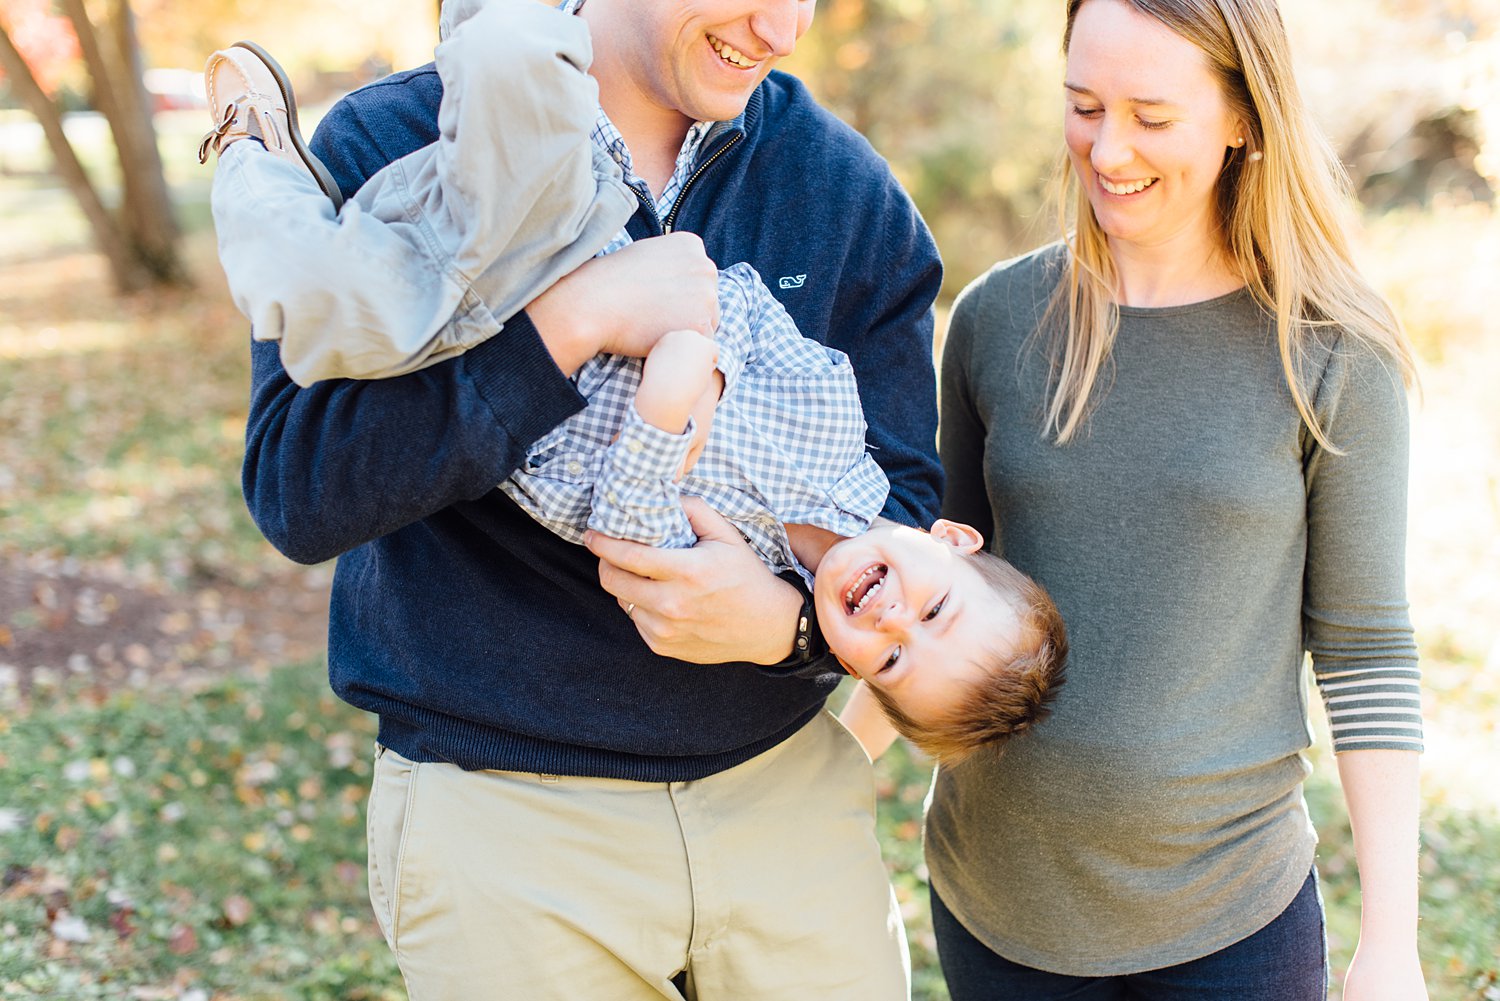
<point>1187,421</point>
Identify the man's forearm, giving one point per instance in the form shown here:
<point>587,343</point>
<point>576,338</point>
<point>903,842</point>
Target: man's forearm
<point>333,466</point>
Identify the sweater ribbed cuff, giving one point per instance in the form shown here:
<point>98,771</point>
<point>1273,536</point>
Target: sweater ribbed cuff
<point>516,375</point>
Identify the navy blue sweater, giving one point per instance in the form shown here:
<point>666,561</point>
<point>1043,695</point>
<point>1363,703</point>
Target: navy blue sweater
<point>477,636</point>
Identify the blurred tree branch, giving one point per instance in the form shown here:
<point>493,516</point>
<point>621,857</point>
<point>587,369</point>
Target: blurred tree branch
<point>140,240</point>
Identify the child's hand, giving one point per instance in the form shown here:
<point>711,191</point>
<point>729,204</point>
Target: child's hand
<point>703,420</point>
<point>678,374</point>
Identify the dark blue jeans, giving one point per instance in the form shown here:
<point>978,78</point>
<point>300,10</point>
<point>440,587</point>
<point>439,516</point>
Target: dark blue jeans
<point>1287,960</point>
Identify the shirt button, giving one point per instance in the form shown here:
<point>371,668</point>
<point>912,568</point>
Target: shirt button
<point>612,498</point>
<point>633,446</point>
<point>575,468</point>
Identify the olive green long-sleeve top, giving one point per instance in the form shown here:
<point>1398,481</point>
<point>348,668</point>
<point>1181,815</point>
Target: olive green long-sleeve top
<point>1197,540</point>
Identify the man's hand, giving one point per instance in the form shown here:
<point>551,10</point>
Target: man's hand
<point>711,604</point>
<point>623,302</point>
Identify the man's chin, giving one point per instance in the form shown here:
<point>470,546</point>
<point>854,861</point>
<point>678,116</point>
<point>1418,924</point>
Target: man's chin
<point>720,105</point>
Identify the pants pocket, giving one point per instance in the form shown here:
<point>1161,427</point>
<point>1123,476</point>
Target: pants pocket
<point>385,834</point>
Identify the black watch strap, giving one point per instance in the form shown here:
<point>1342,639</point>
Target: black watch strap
<point>808,646</point>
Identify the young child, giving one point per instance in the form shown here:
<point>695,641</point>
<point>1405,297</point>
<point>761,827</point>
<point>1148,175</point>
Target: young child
<point>762,423</point>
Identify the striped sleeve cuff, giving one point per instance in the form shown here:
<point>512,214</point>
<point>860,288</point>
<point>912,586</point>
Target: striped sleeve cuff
<point>1373,708</point>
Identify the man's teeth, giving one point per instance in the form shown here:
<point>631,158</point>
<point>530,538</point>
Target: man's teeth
<point>1126,189</point>
<point>730,54</point>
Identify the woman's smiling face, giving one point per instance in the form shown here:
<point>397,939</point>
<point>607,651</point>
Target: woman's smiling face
<point>1147,126</point>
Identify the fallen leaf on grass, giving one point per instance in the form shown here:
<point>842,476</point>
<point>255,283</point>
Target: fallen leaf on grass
<point>237,910</point>
<point>324,921</point>
<point>123,909</point>
<point>22,881</point>
<point>153,994</point>
<point>121,923</point>
<point>70,928</point>
<point>182,941</point>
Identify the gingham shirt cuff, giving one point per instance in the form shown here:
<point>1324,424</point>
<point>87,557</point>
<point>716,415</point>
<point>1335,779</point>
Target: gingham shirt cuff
<point>647,452</point>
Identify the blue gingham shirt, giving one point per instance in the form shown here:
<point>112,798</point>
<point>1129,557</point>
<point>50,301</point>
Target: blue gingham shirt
<point>787,445</point>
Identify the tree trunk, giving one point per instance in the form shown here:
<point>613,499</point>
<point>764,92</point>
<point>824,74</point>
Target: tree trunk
<point>150,218</point>
<point>129,274</point>
<point>148,221</point>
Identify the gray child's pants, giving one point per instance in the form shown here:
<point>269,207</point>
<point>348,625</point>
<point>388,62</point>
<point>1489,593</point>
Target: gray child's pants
<point>427,257</point>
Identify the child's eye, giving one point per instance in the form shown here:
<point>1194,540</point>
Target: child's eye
<point>890,661</point>
<point>933,612</point>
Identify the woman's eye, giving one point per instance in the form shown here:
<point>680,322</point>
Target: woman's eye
<point>1147,124</point>
<point>933,612</point>
<point>1082,112</point>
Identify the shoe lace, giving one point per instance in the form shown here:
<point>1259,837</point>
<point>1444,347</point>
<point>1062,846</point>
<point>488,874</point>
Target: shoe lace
<point>215,135</point>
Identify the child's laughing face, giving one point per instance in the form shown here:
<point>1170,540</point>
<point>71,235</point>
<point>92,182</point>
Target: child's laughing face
<point>903,610</point>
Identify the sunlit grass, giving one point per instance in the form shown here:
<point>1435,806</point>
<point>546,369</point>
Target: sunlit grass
<point>209,842</point>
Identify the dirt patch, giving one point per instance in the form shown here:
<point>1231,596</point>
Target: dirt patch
<point>68,623</point>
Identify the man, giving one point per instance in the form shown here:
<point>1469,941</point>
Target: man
<point>561,806</point>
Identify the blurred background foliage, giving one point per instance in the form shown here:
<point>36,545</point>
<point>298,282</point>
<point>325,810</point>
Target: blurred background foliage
<point>965,100</point>
<point>179,793</point>
<point>962,96</point>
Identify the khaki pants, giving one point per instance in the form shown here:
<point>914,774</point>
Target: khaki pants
<point>761,882</point>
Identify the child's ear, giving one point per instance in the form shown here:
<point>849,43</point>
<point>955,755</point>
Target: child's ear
<point>965,538</point>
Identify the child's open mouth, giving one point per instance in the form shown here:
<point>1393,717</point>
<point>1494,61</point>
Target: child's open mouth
<point>864,587</point>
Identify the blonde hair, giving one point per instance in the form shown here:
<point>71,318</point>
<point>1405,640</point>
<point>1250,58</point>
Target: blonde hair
<point>1016,688</point>
<point>1278,215</point>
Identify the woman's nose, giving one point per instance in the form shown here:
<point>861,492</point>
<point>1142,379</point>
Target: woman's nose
<point>1111,150</point>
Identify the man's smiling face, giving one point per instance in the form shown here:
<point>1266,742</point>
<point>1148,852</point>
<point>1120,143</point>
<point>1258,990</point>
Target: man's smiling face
<point>703,58</point>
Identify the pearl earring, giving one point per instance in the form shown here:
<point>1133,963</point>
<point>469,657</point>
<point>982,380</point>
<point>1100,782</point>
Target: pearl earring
<point>1239,140</point>
<point>1257,156</point>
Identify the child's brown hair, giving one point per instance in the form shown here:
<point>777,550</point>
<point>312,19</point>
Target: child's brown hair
<point>1014,693</point>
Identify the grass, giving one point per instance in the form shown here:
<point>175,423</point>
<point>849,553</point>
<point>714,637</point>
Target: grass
<point>170,842</point>
<point>212,842</point>
<point>205,842</point>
